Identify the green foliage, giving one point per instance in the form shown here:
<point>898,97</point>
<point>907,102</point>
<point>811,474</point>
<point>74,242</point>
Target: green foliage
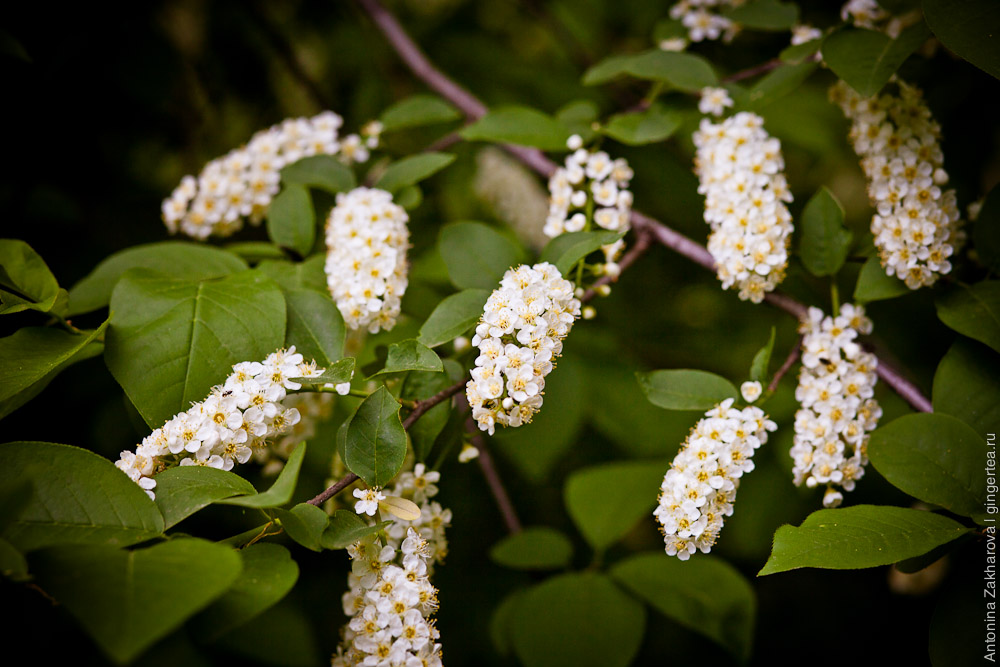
<point>967,385</point>
<point>866,59</point>
<point>779,83</point>
<point>454,316</point>
<point>704,594</point>
<point>683,71</point>
<point>416,111</point>
<point>376,441</point>
<point>973,311</point>
<point>183,490</point>
<point>685,389</point>
<point>968,28</point>
<point>606,501</point>
<point>410,355</point>
<point>323,172</point>
<point>336,373</point>
<point>935,458</point>
<point>314,326</point>
<point>536,548</point>
<point>419,385</point>
<point>172,339</point>
<point>579,118</point>
<point>576,619</point>
<point>305,524</point>
<point>857,537</point>
<point>766,15</point>
<point>25,280</point>
<point>345,529</point>
<point>654,124</point>
<point>282,489</point>
<point>412,170</point>
<point>518,125</point>
<point>476,254</point>
<point>291,219</point>
<point>825,241</point>
<point>126,600</point>
<point>79,498</point>
<point>875,285</point>
<point>798,53</point>
<point>761,360</point>
<point>565,250</point>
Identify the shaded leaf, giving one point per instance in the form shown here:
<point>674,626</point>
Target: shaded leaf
<point>566,250</point>
<point>761,360</point>
<point>579,117</point>
<point>323,172</point>
<point>973,311</point>
<point>969,28</point>
<point>26,283</point>
<point>476,254</point>
<point>412,170</point>
<point>282,489</point>
<point>824,242</point>
<point>643,127</point>
<point>779,82</point>
<point>336,373</point>
<point>410,355</point>
<point>875,285</point>
<point>455,315</point>
<point>986,231</point>
<point>536,548</point>
<point>314,326</point>
<point>376,441</point>
<point>518,125</point>
<point>865,59</point>
<point>346,528</point>
<point>766,15</point>
<point>291,219</point>
<point>683,71</point>
<point>416,111</point>
<point>967,385</point>
<point>685,389</point>
<point>305,524</point>
<point>183,490</point>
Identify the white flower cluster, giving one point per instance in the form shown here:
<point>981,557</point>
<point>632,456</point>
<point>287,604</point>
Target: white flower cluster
<point>698,491</point>
<point>366,242</point>
<point>916,225</point>
<point>703,20</point>
<point>740,168</point>
<point>390,602</point>
<point>590,181</point>
<point>836,388</point>
<point>519,337</point>
<point>419,485</point>
<point>241,184</point>
<point>244,412</point>
<point>863,13</point>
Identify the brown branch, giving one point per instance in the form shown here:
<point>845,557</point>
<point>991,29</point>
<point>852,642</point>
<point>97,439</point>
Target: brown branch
<point>790,360</point>
<point>342,484</point>
<point>534,158</point>
<point>772,64</point>
<point>497,488</point>
<point>642,242</point>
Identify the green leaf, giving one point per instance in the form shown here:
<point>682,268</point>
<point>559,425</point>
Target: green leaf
<point>577,619</point>
<point>250,251</point>
<point>79,497</point>
<point>305,524</point>
<point>798,53</point>
<point>779,82</point>
<point>194,261</point>
<point>172,339</point>
<point>986,231</point>
<point>315,326</point>
<point>565,250</point>
<point>685,389</point>
<point>268,575</point>
<point>967,385</point>
<point>376,441</point>
<point>411,170</point>
<point>183,490</point>
<point>704,594</point>
<point>476,254</point>
<point>765,15</point>
<point>26,283</point>
<point>538,548</point>
<point>410,355</point>
<point>454,316</point>
<point>419,385</point>
<point>518,125</point>
<point>973,311</point>
<point>290,276</point>
<point>346,528</point>
<point>644,127</point>
<point>501,621</point>
<point>282,489</point>
<point>322,172</point>
<point>579,117</point>
<point>14,498</point>
<point>291,219</point>
<point>875,285</point>
<point>336,373</point>
<point>32,357</point>
<point>683,71</point>
<point>126,600</point>
<point>606,501</point>
<point>410,197</point>
<point>856,537</point>
<point>934,458</point>
<point>416,111</point>
<point>761,360</point>
<point>824,242</point>
<point>969,28</point>
<point>866,59</point>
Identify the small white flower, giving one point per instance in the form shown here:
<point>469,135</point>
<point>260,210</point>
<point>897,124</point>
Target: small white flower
<point>714,101</point>
<point>673,44</point>
<point>367,501</point>
<point>470,452</point>
<point>344,388</point>
<point>750,391</point>
<point>575,142</point>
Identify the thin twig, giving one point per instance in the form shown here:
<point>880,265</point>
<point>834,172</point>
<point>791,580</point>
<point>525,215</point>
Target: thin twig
<point>638,249</point>
<point>342,484</point>
<point>772,64</point>
<point>793,356</point>
<point>497,488</point>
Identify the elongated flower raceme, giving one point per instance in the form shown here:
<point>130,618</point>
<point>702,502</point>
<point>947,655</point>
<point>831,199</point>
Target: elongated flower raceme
<point>240,185</point>
<point>366,241</point>
<point>519,337</point>
<point>698,491</point>
<point>916,224</point>
<point>836,388</point>
<point>740,169</point>
<point>241,414</point>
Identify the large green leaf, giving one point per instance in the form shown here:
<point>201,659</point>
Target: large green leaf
<point>376,441</point>
<point>455,315</point>
<point>26,283</point>
<point>935,458</point>
<point>345,529</point>
<point>577,619</point>
<point>606,501</point>
<point>967,385</point>
<point>874,284</point>
<point>477,255</point>
<point>766,15</point>
<point>518,125</point>
<point>282,489</point>
<point>410,355</point>
<point>973,311</point>
<point>32,357</point>
<point>172,339</point>
<point>183,490</point>
<point>126,600</point>
<point>416,111</point>
<point>850,538</point>
<point>866,59</point>
<point>308,275</point>
<point>635,128</point>
<point>685,389</point>
<point>315,326</point>
<point>778,83</point>
<point>683,71</point>
<point>194,261</point>
<point>323,172</point>
<point>79,497</point>
<point>969,28</point>
<point>565,250</point>
<point>305,524</point>
<point>412,170</point>
<point>537,548</point>
<point>704,594</point>
<point>291,219</point>
<point>824,242</point>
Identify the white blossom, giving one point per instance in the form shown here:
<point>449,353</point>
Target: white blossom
<point>916,226</point>
<point>740,168</point>
<point>805,33</point>
<point>838,410</point>
<point>367,501</point>
<point>366,241</point>
<point>714,101</point>
<point>698,491</point>
<point>704,18</point>
<point>750,391</point>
